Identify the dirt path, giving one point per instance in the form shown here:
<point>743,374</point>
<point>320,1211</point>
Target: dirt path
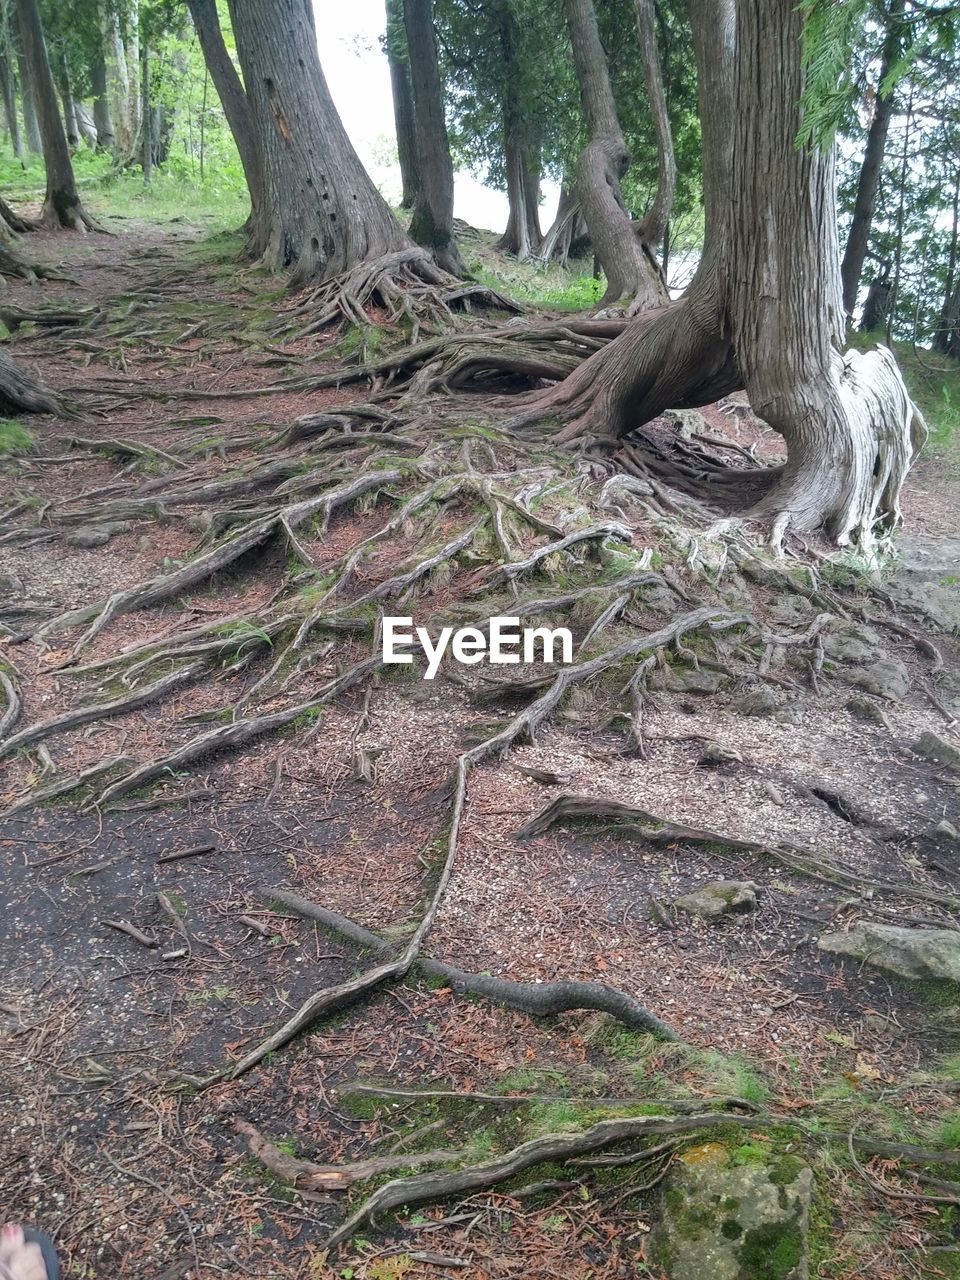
<point>141,1175</point>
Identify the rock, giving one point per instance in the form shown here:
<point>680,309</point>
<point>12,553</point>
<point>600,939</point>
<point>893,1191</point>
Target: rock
<point>726,1221</point>
<point>658,597</point>
<point>89,536</point>
<point>762,701</point>
<point>719,898</point>
<point>686,422</point>
<point>853,644</point>
<point>937,603</point>
<point>887,678</point>
<point>868,710</point>
<point>920,952</point>
<point>715,754</point>
<point>687,680</point>
<point>947,829</point>
<point>790,713</point>
<point>932,747</point>
<point>925,580</point>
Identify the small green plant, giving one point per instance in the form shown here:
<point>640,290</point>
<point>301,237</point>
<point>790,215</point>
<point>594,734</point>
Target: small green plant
<point>14,438</point>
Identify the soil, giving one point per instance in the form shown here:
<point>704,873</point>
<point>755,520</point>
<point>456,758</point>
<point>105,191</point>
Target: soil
<point>139,1173</point>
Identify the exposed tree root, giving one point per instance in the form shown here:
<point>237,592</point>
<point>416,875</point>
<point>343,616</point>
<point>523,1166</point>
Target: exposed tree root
<point>656,830</point>
<point>539,999</point>
<point>19,393</point>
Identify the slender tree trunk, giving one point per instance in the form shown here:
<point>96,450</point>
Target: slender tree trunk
<point>8,88</point>
<point>28,99</point>
<point>946,340</point>
<point>233,97</point>
<point>61,206</point>
<point>118,85</point>
<point>521,156</point>
<point>133,72</point>
<point>102,114</point>
<point>66,97</point>
<point>321,214</point>
<point>858,239</point>
<point>432,221</point>
<point>146,107</point>
<point>654,225</point>
<point>628,262</point>
<point>765,308</point>
<point>403,114</point>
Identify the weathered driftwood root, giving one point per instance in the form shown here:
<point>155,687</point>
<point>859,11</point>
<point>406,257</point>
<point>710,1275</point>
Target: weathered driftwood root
<point>535,998</point>
<point>19,393</point>
<point>681,1106</point>
<point>66,785</point>
<point>11,713</point>
<point>657,830</point>
<point>552,1148</point>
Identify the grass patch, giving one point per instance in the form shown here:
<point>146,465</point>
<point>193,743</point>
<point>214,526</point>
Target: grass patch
<point>14,439</point>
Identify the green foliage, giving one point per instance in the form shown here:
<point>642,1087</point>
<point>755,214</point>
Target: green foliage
<point>14,438</point>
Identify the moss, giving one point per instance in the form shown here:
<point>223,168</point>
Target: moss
<point>14,439</point>
<point>731,1229</point>
<point>786,1171</point>
<point>771,1252</point>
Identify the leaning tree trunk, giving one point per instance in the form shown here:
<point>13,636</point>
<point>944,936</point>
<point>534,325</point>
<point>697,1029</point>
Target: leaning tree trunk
<point>855,253</point>
<point>567,236</point>
<point>653,229</point>
<point>765,308</point>
<point>628,263</point>
<point>403,115</point>
<point>432,221</point>
<point>61,206</point>
<point>69,106</point>
<point>233,97</point>
<point>28,100</point>
<point>321,214</point>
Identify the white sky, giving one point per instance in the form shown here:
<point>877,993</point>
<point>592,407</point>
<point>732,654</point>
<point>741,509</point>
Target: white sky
<point>356,68</point>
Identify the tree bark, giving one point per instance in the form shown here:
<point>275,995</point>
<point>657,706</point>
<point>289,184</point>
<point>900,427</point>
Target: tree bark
<point>321,214</point>
<point>66,97</point>
<point>61,206</point>
<point>233,97</point>
<point>855,253</point>
<point>946,340</point>
<point>403,114</point>
<point>432,221</point>
<point>146,109</point>
<point>19,393</point>
<point>521,154</point>
<point>654,225</point>
<point>567,236</point>
<point>628,263</point>
<point>765,309</point>
<point>28,99</point>
<point>118,85</point>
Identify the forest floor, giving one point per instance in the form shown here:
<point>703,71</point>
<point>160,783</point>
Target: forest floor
<point>111,1143</point>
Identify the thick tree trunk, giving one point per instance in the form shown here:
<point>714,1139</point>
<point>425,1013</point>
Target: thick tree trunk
<point>233,97</point>
<point>61,206</point>
<point>102,114</point>
<point>567,237</point>
<point>19,393</point>
<point>8,88</point>
<point>765,307</point>
<point>855,253</point>
<point>432,221</point>
<point>118,85</point>
<point>321,214</point>
<point>628,262</point>
<point>521,156</point>
<point>403,114</point>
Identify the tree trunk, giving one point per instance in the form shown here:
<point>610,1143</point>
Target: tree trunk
<point>765,308</point>
<point>118,86</point>
<point>10,105</point>
<point>146,127</point>
<point>521,153</point>
<point>233,97</point>
<point>19,393</point>
<point>403,115</point>
<point>946,336</point>
<point>133,71</point>
<point>567,236</point>
<point>858,238</point>
<point>628,262</point>
<point>102,114</point>
<point>66,96</point>
<point>432,221</point>
<point>61,206</point>
<point>321,214</point>
<point>28,100</point>
<point>654,225</point>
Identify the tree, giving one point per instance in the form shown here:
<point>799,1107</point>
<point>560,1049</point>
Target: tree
<point>61,205</point>
<point>627,260</point>
<point>765,310</point>
<point>395,43</point>
<point>858,237</point>
<point>432,222</point>
<point>233,97</point>
<point>521,145</point>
